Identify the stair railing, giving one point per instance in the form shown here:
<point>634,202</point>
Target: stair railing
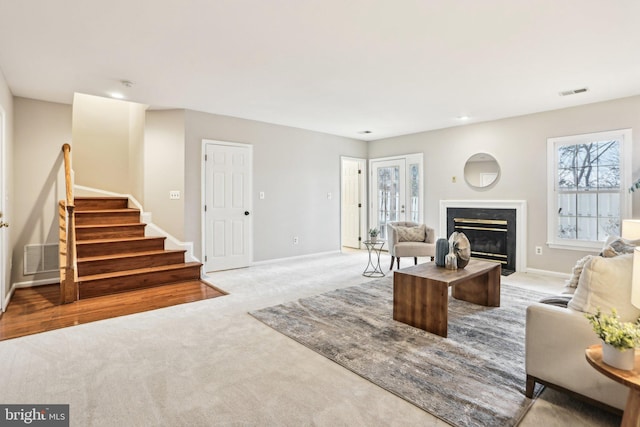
<point>68,275</point>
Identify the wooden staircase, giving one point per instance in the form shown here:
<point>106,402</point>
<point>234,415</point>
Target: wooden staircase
<point>113,254</point>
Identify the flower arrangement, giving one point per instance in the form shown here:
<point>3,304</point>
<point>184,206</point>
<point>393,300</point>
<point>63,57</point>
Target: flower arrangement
<point>621,335</point>
<point>634,186</point>
<point>373,232</point>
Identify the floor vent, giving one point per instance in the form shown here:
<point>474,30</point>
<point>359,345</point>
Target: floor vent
<point>40,258</point>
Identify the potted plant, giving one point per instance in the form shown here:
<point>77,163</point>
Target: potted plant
<point>619,339</point>
<point>373,234</point>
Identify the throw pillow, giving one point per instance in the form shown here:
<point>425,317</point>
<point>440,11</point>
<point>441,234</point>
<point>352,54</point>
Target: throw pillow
<point>571,285</point>
<point>411,234</point>
<point>619,246</point>
<point>605,283</point>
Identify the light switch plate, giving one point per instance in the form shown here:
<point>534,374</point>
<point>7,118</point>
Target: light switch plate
<point>174,194</point>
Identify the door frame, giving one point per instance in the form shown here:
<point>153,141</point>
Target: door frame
<point>363,195</point>
<point>203,174</point>
<point>4,249</point>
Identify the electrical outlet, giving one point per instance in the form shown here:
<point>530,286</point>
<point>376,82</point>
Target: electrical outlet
<point>329,196</point>
<point>538,250</point>
<point>295,240</point>
<point>174,195</point>
<point>262,195</point>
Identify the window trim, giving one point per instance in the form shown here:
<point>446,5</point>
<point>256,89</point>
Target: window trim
<point>626,143</point>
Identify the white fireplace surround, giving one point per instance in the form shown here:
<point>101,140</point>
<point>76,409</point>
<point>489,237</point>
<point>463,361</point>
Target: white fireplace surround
<point>521,221</point>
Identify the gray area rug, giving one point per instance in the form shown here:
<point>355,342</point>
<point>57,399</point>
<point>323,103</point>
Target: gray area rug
<point>475,377</point>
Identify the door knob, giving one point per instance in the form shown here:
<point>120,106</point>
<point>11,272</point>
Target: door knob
<point>246,212</point>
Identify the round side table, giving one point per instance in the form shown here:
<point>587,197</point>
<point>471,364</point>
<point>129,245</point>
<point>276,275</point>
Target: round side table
<point>373,268</point>
<point>631,415</point>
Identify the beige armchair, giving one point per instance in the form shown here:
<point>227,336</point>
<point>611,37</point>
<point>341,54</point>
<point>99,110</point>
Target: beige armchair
<point>403,241</point>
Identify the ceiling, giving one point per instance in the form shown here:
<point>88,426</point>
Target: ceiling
<point>390,67</point>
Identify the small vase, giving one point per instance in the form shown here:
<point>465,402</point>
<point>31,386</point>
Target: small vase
<point>442,248</point>
<point>623,360</point>
<point>451,260</point>
<point>373,239</point>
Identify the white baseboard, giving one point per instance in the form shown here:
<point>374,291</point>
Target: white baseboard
<point>548,273</point>
<point>34,283</point>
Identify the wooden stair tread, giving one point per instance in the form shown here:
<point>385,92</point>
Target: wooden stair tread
<point>118,239</point>
<point>93,211</point>
<point>99,198</point>
<point>139,271</point>
<point>133,224</point>
<point>130,255</point>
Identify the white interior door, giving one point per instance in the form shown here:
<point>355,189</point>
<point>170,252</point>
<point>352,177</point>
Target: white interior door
<point>4,252</point>
<point>388,195</point>
<point>227,200</point>
<point>352,216</point>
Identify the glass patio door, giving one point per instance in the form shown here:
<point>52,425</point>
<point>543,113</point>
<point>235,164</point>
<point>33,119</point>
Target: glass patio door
<point>396,188</point>
<point>388,198</point>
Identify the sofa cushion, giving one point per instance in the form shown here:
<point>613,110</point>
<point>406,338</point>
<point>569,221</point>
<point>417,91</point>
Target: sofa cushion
<point>605,283</point>
<point>414,249</point>
<point>411,234</point>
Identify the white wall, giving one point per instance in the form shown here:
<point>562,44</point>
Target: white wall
<point>519,145</point>
<point>40,129</point>
<point>164,169</point>
<point>108,144</point>
<point>6,104</point>
<point>295,169</point>
<point>136,150</point>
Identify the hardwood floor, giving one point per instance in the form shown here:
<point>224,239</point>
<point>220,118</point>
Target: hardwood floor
<point>37,309</point>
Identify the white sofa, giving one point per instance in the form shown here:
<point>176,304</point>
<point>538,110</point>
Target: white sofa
<point>556,339</point>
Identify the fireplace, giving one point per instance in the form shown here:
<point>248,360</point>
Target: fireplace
<point>491,233</point>
<point>496,229</point>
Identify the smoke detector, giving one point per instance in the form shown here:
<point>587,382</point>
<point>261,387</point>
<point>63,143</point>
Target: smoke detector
<point>573,91</point>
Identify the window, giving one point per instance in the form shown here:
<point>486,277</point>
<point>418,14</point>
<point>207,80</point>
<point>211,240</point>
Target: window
<point>587,197</point>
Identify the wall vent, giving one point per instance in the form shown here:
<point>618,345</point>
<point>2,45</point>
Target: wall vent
<point>573,91</point>
<point>41,258</point>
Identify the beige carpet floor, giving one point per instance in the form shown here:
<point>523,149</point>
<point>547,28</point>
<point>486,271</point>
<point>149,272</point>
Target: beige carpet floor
<point>209,363</point>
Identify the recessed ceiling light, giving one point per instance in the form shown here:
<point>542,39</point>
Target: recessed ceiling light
<point>364,131</point>
<point>117,95</point>
<point>463,117</point>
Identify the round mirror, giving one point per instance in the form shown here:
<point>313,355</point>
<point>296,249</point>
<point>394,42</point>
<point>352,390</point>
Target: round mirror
<point>481,170</point>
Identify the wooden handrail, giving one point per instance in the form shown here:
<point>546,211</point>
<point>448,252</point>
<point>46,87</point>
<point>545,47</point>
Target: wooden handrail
<point>68,279</point>
<point>66,149</point>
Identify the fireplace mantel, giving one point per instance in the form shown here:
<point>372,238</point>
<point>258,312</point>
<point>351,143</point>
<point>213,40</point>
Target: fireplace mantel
<point>520,207</point>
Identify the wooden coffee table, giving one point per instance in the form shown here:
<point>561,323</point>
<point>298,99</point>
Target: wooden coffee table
<point>421,293</point>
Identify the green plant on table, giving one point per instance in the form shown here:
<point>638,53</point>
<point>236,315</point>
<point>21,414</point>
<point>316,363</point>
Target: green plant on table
<point>621,335</point>
<point>373,232</point>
